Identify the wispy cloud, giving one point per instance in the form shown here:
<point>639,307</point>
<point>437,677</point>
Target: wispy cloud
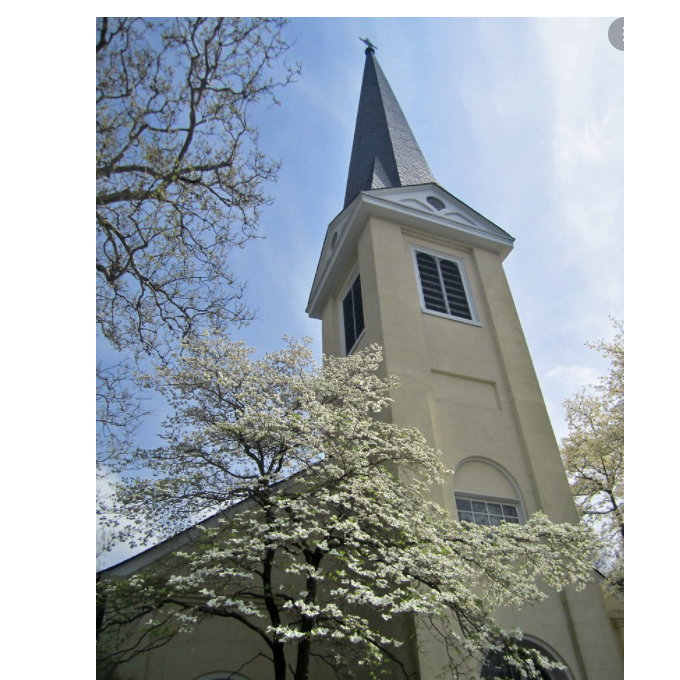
<point>573,377</point>
<point>583,81</point>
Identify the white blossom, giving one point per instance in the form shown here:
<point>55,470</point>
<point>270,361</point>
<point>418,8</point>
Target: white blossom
<point>324,519</point>
<point>593,456</point>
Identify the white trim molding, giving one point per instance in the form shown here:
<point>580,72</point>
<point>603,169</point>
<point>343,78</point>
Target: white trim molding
<point>516,500</point>
<point>356,274</point>
<point>439,255</point>
<point>458,222</point>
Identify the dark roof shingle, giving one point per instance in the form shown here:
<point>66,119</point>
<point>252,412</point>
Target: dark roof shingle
<point>385,152</point>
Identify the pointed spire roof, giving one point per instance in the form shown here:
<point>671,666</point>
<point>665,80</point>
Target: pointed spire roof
<point>385,152</point>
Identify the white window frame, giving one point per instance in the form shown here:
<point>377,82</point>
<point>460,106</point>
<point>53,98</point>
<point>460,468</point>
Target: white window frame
<point>486,498</point>
<point>341,298</point>
<point>466,285</point>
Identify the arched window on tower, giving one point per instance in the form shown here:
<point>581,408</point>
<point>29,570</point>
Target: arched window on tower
<point>495,667</point>
<point>486,494</point>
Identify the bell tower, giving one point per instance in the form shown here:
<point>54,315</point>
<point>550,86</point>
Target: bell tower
<point>410,267</point>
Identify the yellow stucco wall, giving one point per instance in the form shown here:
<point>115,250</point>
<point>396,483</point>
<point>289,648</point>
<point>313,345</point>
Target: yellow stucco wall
<point>471,389</point>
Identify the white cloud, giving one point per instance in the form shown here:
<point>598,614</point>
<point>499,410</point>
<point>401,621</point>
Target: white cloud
<point>572,378</point>
<point>586,120</point>
<point>561,382</point>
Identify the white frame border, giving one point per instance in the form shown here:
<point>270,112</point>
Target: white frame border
<point>466,285</point>
<point>489,497</point>
<point>355,274</point>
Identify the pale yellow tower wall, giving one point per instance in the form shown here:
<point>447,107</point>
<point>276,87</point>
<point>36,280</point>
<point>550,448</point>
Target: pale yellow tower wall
<point>471,389</point>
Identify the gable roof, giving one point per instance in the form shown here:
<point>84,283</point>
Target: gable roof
<point>176,541</point>
<point>408,206</point>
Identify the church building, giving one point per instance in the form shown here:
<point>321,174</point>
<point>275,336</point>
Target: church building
<point>410,267</point>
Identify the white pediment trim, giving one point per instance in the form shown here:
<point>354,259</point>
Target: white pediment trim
<point>409,207</point>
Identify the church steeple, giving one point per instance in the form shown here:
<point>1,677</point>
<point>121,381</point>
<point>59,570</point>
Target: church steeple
<point>385,152</point>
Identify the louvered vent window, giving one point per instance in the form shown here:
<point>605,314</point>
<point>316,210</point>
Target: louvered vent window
<point>353,315</point>
<point>441,281</point>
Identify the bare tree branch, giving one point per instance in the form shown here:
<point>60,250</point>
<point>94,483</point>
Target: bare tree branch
<point>180,184</point>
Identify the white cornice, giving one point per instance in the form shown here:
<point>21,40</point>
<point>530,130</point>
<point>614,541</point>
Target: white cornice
<point>408,207</point>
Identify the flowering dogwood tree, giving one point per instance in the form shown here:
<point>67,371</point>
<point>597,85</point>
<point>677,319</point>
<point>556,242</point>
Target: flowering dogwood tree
<point>593,456</point>
<point>181,184</point>
<point>322,536</point>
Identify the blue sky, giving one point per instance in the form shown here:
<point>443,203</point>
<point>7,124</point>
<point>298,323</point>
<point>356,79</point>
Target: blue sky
<point>522,119</point>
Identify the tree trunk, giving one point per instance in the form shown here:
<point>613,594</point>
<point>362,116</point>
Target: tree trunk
<point>274,616</point>
<point>302,667</point>
<point>307,624</point>
<point>279,661</point>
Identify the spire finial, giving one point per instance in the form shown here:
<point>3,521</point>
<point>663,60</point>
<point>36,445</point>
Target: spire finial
<point>369,45</point>
<point>385,153</point>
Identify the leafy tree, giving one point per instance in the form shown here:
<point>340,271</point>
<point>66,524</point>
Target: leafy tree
<point>323,537</point>
<point>593,456</point>
<point>180,182</point>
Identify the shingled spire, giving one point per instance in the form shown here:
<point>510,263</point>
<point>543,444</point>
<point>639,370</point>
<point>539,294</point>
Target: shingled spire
<point>385,152</point>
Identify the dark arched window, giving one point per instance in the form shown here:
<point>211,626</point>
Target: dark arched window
<point>222,675</point>
<point>496,667</point>
<point>435,202</point>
